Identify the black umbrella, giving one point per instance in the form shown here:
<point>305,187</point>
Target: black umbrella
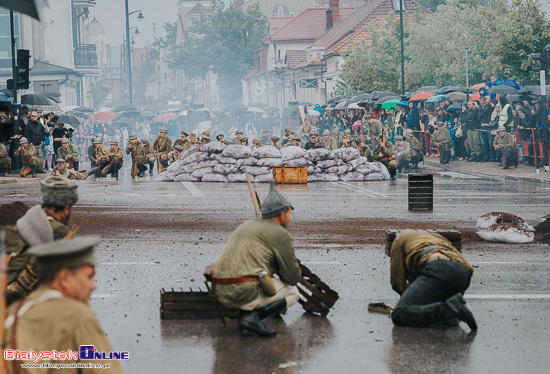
<point>535,90</point>
<point>382,100</point>
<point>431,89</point>
<point>380,94</point>
<point>67,119</point>
<point>130,113</point>
<point>75,112</point>
<point>124,108</point>
<point>33,99</point>
<point>234,107</point>
<point>84,109</point>
<point>454,107</point>
<point>7,92</point>
<point>28,7</point>
<point>446,89</point>
<point>337,99</point>
<point>341,105</point>
<point>503,90</point>
<point>364,97</point>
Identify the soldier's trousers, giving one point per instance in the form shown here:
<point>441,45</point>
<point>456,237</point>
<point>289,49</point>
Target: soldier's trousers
<point>70,161</point>
<point>403,162</point>
<point>110,167</point>
<point>390,164</point>
<point>163,159</point>
<point>444,153</point>
<point>474,143</point>
<point>423,302</point>
<point>509,156</point>
<point>5,162</point>
<point>27,166</point>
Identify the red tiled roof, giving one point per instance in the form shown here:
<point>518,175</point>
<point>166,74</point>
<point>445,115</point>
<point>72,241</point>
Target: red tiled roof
<point>306,26</point>
<point>275,23</point>
<point>362,16</point>
<point>357,36</point>
<point>295,58</point>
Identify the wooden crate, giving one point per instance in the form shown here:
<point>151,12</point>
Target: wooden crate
<point>421,192</point>
<point>315,295</point>
<point>191,305</point>
<point>285,174</point>
<point>454,236</point>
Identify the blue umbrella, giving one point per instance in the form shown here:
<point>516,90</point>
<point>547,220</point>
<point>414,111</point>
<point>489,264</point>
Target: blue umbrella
<point>4,97</point>
<point>435,99</point>
<point>507,82</point>
<point>454,107</point>
<point>403,103</point>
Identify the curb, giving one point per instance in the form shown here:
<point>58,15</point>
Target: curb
<point>8,181</point>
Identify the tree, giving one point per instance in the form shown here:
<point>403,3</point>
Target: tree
<point>99,90</point>
<point>166,43</point>
<point>222,42</point>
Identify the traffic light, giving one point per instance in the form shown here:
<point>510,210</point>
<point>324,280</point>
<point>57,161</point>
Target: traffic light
<point>542,58</point>
<point>9,84</point>
<point>23,69</point>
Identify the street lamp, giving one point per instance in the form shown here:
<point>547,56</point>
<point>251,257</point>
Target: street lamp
<point>140,17</point>
<point>402,51</point>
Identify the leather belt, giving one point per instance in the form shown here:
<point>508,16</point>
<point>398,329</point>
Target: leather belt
<point>243,279</point>
<point>444,258</point>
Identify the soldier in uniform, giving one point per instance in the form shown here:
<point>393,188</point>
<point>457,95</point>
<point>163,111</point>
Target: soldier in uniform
<point>287,137</point>
<point>258,249</point>
<point>431,276</point>
<point>69,153</point>
<point>402,153</point>
<point>374,129</point>
<point>192,141</point>
<point>266,139</point>
<point>162,146</point>
<point>205,140</point>
<point>256,143</point>
<point>416,149</point>
<point>116,159</point>
<point>147,155</point>
<point>294,141</point>
<point>314,142</point>
<point>275,142</point>
<point>442,139</point>
<point>62,170</point>
<point>237,138</point>
<point>28,158</point>
<point>41,224</point>
<point>133,148</point>
<point>182,140</point>
<point>384,154</point>
<point>101,158</point>
<point>506,148</point>
<point>244,141</point>
<point>221,139</point>
<point>173,155</point>
<point>5,161</point>
<point>364,150</point>
<point>92,154</point>
<point>56,316</point>
<point>328,141</point>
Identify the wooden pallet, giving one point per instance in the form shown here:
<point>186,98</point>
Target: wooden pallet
<point>315,295</point>
<point>191,305</point>
<point>454,236</point>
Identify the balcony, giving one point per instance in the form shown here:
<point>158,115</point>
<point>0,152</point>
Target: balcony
<point>85,56</point>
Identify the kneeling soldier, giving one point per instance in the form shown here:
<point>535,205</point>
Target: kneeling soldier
<point>384,154</point>
<point>506,148</point>
<point>28,158</point>
<point>133,149</point>
<point>69,153</point>
<point>162,146</point>
<point>148,155</point>
<point>442,139</point>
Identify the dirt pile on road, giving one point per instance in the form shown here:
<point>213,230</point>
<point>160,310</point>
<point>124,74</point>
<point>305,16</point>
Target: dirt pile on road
<point>10,213</point>
<point>542,231</point>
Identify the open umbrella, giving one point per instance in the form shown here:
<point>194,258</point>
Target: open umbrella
<point>124,108</point>
<point>34,99</point>
<point>183,113</point>
<point>28,7</point>
<point>403,103</point>
<point>235,107</point>
<point>436,98</point>
<point>476,87</point>
<point>431,89</point>
<point>390,104</point>
<point>377,95</point>
<point>105,117</point>
<point>341,105</point>
<point>454,107</point>
<point>67,119</point>
<point>130,113</point>
<point>360,98</point>
<point>461,96</point>
<point>535,90</point>
<point>165,118</point>
<point>382,100</point>
<point>353,106</point>
<point>508,82</point>
<point>421,96</point>
<point>503,90</point>
<point>446,89</point>
<point>147,114</point>
<point>337,99</point>
<point>84,109</point>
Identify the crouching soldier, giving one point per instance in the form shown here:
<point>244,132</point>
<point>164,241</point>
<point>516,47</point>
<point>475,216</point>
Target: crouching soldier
<point>28,158</point>
<point>173,155</point>
<point>5,161</point>
<point>416,149</point>
<point>259,248</point>
<point>442,139</point>
<point>133,149</point>
<point>116,159</point>
<point>148,154</point>
<point>69,153</point>
<point>384,154</point>
<point>162,146</point>
<point>101,158</point>
<point>506,148</point>
<point>364,150</point>
<point>403,153</point>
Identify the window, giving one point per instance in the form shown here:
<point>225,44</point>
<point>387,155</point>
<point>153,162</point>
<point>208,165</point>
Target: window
<point>395,4</point>
<point>280,11</point>
<point>5,34</point>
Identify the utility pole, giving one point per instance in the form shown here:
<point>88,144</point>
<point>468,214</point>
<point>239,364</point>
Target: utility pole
<point>543,70</point>
<point>128,55</point>
<point>13,65</point>
<point>467,80</point>
<point>402,51</point>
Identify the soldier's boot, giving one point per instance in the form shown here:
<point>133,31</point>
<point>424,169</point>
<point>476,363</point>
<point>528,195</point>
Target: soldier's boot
<point>392,174</point>
<point>2,171</point>
<point>160,167</point>
<point>458,305</point>
<point>33,171</point>
<point>141,170</point>
<point>115,171</point>
<point>93,172</point>
<point>273,309</point>
<point>151,167</point>
<point>75,166</point>
<point>251,321</point>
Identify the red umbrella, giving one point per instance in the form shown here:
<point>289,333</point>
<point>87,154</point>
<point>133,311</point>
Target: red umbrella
<point>105,117</point>
<point>165,118</point>
<point>421,96</point>
<point>477,96</point>
<point>476,87</point>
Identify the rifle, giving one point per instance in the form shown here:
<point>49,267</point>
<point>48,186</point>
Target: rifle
<point>317,296</point>
<point>157,158</point>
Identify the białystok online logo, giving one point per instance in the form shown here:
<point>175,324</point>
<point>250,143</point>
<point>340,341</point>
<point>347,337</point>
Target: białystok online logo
<point>86,352</point>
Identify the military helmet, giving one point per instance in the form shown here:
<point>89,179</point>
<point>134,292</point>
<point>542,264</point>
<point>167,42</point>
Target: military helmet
<point>64,141</point>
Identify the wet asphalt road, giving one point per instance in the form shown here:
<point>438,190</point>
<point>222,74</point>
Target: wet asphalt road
<point>159,235</point>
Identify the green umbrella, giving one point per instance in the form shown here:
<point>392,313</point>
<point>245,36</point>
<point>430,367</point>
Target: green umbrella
<point>390,104</point>
<point>147,114</point>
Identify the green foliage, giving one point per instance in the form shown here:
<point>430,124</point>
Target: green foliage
<point>99,91</point>
<point>499,40</point>
<point>223,42</point>
<point>165,43</point>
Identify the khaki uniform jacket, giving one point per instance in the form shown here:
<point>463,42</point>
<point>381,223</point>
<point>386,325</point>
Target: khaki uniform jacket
<point>442,137</point>
<point>135,150</point>
<point>387,152</point>
<point>507,141</point>
<point>404,261</point>
<point>404,149</point>
<point>63,153</point>
<point>179,142</point>
<point>147,150</point>
<point>162,144</point>
<point>375,128</point>
<point>367,153</point>
<point>27,154</point>
<point>118,154</point>
<point>416,147</point>
<point>103,154</point>
<point>3,151</point>
<point>189,144</point>
<point>56,322</point>
<point>60,170</point>
<point>256,245</point>
<point>329,144</point>
<point>92,153</point>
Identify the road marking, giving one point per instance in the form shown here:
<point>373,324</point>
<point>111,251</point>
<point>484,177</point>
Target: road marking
<point>192,189</point>
<point>512,296</point>
<point>128,263</point>
<point>360,189</point>
<point>453,174</point>
<point>322,262</point>
<point>497,262</point>
<point>101,295</point>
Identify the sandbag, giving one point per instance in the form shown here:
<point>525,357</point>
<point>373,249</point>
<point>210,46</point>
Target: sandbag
<point>237,151</point>
<point>236,177</point>
<point>207,164</point>
<point>292,152</point>
<point>376,176</point>
<point>357,162</point>
<point>195,157</point>
<point>494,218</point>
<point>213,147</point>
<point>270,161</point>
<point>313,170</point>
<point>318,154</point>
<point>189,151</point>
<point>506,233</point>
<point>226,160</point>
<point>224,168</point>
<point>330,163</point>
<point>214,177</point>
<point>174,166</point>
<point>383,169</point>
<point>188,168</point>
<point>186,177</point>
<point>256,170</point>
<point>367,168</point>
<point>165,176</point>
<point>263,178</point>
<point>199,173</point>
<point>267,151</point>
<point>249,161</point>
<point>341,169</point>
<point>347,154</point>
<point>351,176</point>
<point>298,162</point>
<point>322,178</point>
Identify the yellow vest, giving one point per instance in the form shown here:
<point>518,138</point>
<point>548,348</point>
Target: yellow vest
<point>503,117</point>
